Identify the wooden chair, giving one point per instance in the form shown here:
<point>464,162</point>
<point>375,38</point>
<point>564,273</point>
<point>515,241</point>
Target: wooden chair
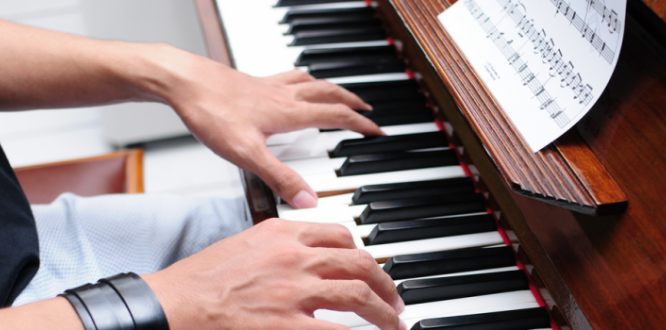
<point>114,173</point>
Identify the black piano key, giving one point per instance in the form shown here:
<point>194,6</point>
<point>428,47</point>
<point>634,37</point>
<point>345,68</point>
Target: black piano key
<point>402,231</point>
<point>319,24</point>
<point>394,191</point>
<point>356,54</point>
<point>397,161</point>
<point>338,36</point>
<point>386,91</point>
<point>399,118</point>
<point>327,13</point>
<point>447,262</point>
<point>378,144</point>
<point>346,69</point>
<point>456,287</point>
<point>522,319</point>
<point>425,207</point>
<point>288,3</point>
<point>399,106</point>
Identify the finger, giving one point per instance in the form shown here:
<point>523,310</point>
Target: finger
<point>340,264</point>
<point>291,77</point>
<point>322,91</point>
<point>306,322</point>
<point>337,116</point>
<point>284,181</point>
<point>355,296</point>
<point>326,235</point>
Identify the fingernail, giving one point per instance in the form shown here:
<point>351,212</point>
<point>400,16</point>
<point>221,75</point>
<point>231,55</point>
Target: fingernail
<point>400,305</point>
<point>403,325</point>
<point>304,200</point>
<point>368,106</point>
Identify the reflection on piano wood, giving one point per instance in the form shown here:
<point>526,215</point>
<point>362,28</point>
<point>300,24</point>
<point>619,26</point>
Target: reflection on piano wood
<point>593,272</point>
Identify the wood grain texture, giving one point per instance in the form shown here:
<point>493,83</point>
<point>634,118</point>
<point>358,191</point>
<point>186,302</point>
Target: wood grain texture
<point>545,175</point>
<point>601,272</point>
<point>114,173</point>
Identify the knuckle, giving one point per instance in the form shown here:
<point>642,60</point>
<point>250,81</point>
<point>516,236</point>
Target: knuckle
<point>359,293</point>
<point>344,233</point>
<point>366,263</point>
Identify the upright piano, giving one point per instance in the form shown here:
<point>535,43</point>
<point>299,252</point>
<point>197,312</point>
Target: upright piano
<point>475,228</point>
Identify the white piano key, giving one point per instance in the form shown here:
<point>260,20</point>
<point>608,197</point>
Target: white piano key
<point>310,145</point>
<point>433,245</point>
<point>357,44</point>
<point>509,307</point>
<point>330,182</point>
<point>472,305</point>
<point>315,165</point>
<point>320,215</point>
<point>256,38</point>
<point>370,78</point>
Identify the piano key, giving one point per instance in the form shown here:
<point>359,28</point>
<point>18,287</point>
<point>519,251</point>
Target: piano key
<point>483,304</point>
<point>325,182</point>
<point>364,54</point>
<point>315,165</point>
<point>413,104</point>
<point>475,272</point>
<point>268,52</point>
<point>327,23</point>
<point>384,251</point>
<point>395,191</point>
<point>508,320</point>
<point>402,231</point>
<point>330,140</point>
<point>295,14</point>
<point>397,161</point>
<point>417,265</point>
<point>454,287</point>
<point>338,35</point>
<point>347,69</point>
<point>370,78</point>
<point>411,322</point>
<point>382,53</point>
<point>423,207</point>
<point>377,144</point>
<point>400,117</point>
<point>385,91</point>
<point>288,3</point>
<point>310,143</point>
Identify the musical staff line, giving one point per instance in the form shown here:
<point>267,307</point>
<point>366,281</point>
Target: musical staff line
<point>588,34</point>
<point>528,78</point>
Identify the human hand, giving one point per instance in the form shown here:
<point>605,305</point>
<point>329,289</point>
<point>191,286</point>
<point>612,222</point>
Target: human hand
<point>233,114</point>
<point>274,276</point>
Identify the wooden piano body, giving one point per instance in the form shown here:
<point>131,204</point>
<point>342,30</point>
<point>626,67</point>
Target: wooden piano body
<point>588,212</point>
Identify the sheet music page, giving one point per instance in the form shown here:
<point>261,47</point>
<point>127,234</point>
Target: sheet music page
<point>545,61</point>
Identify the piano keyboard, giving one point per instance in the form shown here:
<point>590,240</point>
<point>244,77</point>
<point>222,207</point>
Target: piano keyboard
<point>413,206</point>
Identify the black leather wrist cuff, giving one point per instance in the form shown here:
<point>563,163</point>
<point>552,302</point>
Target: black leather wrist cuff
<point>121,302</point>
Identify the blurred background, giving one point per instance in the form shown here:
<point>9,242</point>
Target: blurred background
<point>174,161</point>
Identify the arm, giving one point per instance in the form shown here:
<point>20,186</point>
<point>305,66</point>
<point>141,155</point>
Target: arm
<point>271,276</point>
<point>230,112</point>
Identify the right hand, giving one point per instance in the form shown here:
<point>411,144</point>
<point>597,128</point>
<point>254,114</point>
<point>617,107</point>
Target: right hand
<point>274,276</point>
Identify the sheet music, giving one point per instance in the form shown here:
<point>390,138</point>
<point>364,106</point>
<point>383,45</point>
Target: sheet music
<point>545,61</point>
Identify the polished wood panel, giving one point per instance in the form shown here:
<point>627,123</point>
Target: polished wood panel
<point>547,174</point>
<point>114,173</point>
<point>601,272</point>
<point>213,32</point>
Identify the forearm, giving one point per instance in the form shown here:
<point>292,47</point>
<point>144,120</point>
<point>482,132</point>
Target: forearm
<point>46,69</point>
<point>55,314</point>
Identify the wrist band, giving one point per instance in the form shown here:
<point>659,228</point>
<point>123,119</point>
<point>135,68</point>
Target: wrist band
<point>121,302</point>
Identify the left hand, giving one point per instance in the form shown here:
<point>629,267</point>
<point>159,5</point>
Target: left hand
<point>233,114</point>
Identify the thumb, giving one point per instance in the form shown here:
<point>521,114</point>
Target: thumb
<point>285,182</point>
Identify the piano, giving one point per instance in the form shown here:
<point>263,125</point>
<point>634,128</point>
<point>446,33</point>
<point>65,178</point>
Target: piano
<point>476,231</point>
